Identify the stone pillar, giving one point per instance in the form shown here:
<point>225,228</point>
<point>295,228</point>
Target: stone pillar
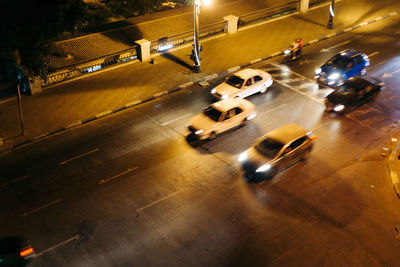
<point>232,23</point>
<point>35,85</point>
<point>144,49</point>
<point>304,6</point>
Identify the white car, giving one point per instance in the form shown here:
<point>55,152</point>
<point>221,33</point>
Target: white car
<point>243,84</point>
<point>220,117</point>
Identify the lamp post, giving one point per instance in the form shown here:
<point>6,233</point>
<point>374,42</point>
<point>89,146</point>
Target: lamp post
<point>196,46</point>
<point>331,15</point>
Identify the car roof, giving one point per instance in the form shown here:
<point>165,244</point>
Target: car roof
<point>227,104</point>
<point>246,73</point>
<point>287,133</point>
<point>350,53</point>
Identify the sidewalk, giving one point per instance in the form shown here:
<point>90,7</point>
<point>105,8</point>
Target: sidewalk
<point>100,93</point>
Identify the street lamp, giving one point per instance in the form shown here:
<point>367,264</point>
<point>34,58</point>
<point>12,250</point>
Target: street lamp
<point>196,45</point>
<point>331,15</point>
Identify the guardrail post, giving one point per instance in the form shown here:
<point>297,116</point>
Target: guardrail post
<point>232,22</point>
<point>304,5</point>
<point>35,85</point>
<point>144,49</point>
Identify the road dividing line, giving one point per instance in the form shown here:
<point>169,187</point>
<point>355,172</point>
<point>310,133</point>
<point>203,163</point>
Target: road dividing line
<point>73,125</point>
<point>158,201</point>
<point>272,109</point>
<point>102,114</point>
<point>181,117</point>
<point>79,156</point>
<point>41,208</point>
<point>57,246</point>
<point>343,43</point>
<point>373,54</point>
<point>102,181</point>
<point>14,181</point>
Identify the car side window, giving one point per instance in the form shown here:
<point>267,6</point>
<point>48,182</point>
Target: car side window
<point>295,144</point>
<point>229,114</point>
<point>257,78</point>
<point>249,82</point>
<point>358,60</point>
<point>238,110</point>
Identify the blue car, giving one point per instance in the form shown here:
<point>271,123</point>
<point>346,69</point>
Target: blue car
<point>341,67</point>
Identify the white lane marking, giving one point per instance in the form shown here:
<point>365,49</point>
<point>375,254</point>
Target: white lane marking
<point>373,54</point>
<point>329,48</point>
<point>102,114</point>
<point>212,76</point>
<point>41,208</point>
<point>57,246</point>
<point>78,156</point>
<point>181,117</point>
<point>390,74</point>
<point>160,94</point>
<point>255,61</point>
<point>102,181</point>
<point>73,124</point>
<point>158,201</point>
<point>186,84</point>
<point>276,54</point>
<point>233,69</point>
<point>272,109</point>
<point>14,181</point>
<point>313,41</point>
<point>348,29</point>
<point>130,104</point>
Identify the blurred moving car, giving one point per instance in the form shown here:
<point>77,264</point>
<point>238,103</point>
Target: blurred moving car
<point>15,250</point>
<point>222,116</point>
<point>243,84</point>
<point>352,94</point>
<point>341,67</point>
<point>277,150</point>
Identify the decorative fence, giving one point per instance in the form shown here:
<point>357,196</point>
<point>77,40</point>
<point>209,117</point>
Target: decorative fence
<point>163,44</point>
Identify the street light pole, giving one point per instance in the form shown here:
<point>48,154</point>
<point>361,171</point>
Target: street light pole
<point>331,15</point>
<point>196,48</point>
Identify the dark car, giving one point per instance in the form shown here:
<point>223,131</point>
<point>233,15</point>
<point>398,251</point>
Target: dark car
<point>341,67</point>
<point>352,94</point>
<point>15,250</point>
<point>277,150</point>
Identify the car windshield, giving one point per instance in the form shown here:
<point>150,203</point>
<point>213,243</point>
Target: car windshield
<point>235,81</point>
<point>339,61</point>
<point>269,147</point>
<point>212,113</point>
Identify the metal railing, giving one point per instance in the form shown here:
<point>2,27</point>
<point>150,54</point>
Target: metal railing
<point>87,66</point>
<point>163,44</point>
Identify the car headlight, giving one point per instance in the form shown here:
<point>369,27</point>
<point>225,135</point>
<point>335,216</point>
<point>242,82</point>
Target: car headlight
<point>334,76</point>
<point>213,91</point>
<point>264,168</point>
<point>338,108</point>
<point>225,96</point>
<point>318,71</point>
<point>199,132</point>
<point>243,156</point>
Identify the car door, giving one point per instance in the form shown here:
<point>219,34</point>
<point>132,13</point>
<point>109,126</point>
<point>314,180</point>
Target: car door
<point>227,120</point>
<point>293,152</point>
<point>248,88</point>
<point>358,65</point>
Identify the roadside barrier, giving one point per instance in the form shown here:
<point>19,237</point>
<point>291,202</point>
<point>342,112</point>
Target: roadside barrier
<point>63,70</point>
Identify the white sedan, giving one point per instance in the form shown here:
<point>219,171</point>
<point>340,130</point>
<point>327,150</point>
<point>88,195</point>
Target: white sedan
<point>243,84</point>
<point>220,117</point>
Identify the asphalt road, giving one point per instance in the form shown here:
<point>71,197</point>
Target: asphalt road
<point>129,190</point>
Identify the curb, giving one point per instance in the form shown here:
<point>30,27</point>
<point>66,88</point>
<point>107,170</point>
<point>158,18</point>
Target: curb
<point>206,78</point>
<point>394,168</point>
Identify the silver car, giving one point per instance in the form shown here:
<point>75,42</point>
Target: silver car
<point>277,150</point>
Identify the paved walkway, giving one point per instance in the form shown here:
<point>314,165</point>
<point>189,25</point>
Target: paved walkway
<point>98,94</point>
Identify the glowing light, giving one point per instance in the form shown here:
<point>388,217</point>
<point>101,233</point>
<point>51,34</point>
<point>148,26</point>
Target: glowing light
<point>165,47</point>
<point>26,252</point>
<point>264,168</point>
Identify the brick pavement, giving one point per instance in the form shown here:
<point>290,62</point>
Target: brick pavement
<point>82,99</point>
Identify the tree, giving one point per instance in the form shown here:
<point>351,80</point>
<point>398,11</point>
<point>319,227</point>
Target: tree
<point>28,28</point>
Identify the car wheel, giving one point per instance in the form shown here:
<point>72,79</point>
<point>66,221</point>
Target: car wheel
<point>244,122</point>
<point>263,89</point>
<point>212,136</point>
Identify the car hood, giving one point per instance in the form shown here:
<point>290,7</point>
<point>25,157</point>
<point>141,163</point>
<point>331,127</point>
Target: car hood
<point>226,89</point>
<point>202,122</point>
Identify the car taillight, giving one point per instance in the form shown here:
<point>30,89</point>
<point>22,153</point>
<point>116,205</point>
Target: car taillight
<point>313,137</point>
<point>26,252</point>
